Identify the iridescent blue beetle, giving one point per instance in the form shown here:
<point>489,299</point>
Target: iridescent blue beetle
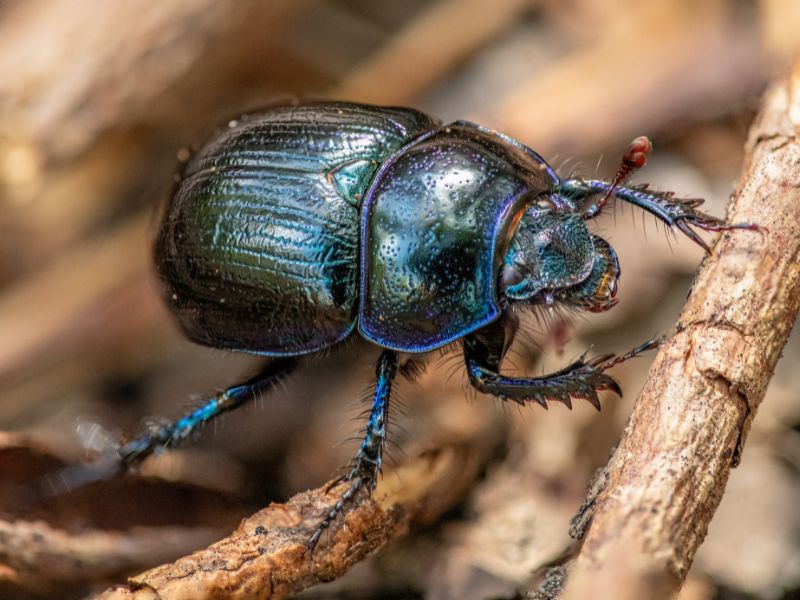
<point>299,226</point>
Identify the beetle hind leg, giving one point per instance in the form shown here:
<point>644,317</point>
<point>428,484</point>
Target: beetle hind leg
<point>366,465</point>
<point>136,450</point>
<point>132,453</point>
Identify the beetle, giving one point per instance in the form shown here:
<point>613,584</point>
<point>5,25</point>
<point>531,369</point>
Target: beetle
<point>299,226</point>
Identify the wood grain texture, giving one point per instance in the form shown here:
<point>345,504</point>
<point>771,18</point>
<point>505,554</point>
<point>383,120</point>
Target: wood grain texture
<point>687,430</point>
<point>266,556</point>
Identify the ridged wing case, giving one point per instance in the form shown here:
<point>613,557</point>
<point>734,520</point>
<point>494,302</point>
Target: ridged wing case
<point>258,247</point>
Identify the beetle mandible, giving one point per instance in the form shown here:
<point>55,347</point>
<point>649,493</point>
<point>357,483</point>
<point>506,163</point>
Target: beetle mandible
<point>299,226</point>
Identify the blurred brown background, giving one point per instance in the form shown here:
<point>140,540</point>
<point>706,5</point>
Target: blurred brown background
<point>96,101</point>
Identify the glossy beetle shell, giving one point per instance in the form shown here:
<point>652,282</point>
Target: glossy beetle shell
<point>259,246</point>
<point>436,225</point>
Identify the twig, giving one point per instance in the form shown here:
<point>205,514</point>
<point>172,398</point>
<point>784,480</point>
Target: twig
<point>40,552</point>
<point>667,477</point>
<point>31,548</point>
<point>266,556</point>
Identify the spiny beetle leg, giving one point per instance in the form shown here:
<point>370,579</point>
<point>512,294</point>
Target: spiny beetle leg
<point>135,451</point>
<point>578,380</point>
<point>582,379</point>
<point>366,465</point>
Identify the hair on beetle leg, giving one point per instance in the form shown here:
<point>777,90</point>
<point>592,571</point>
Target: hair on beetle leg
<point>456,369</point>
<point>413,368</point>
<point>391,446</point>
<point>399,407</point>
<point>452,362</point>
<point>526,346</point>
<point>597,165</point>
<point>469,391</point>
<point>562,164</point>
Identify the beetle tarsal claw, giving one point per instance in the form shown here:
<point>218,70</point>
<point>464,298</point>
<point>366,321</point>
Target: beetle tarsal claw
<point>358,482</point>
<point>334,482</point>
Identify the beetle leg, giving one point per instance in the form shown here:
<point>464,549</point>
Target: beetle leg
<point>366,465</point>
<point>134,452</point>
<point>675,212</point>
<point>582,379</point>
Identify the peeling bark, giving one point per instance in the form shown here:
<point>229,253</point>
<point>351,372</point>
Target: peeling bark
<point>266,557</point>
<point>704,388</point>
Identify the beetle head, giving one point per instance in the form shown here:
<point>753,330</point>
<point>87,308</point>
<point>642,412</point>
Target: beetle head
<point>553,258</point>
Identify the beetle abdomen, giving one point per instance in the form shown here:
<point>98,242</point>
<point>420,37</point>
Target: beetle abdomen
<point>258,248</point>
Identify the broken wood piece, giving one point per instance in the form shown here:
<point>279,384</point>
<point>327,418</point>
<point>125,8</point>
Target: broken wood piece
<point>689,425</point>
<point>267,557</point>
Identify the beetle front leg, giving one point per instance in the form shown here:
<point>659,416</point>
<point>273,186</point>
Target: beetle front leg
<point>366,465</point>
<point>582,379</point>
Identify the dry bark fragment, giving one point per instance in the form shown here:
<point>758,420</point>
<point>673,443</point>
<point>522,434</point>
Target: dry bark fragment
<point>686,432</point>
<point>266,556</point>
<point>62,543</point>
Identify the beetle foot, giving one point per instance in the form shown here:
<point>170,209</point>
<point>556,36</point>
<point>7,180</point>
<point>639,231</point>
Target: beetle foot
<point>709,223</point>
<point>682,213</point>
<point>361,477</point>
<point>603,363</point>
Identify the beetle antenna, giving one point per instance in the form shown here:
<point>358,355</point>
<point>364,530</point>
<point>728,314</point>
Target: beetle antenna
<point>635,157</point>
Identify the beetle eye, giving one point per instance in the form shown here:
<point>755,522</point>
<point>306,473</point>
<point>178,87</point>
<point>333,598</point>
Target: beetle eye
<point>511,276</point>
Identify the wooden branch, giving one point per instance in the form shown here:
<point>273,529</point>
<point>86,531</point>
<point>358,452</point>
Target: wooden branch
<point>31,548</point>
<point>41,550</point>
<point>266,556</point>
<point>667,477</point>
